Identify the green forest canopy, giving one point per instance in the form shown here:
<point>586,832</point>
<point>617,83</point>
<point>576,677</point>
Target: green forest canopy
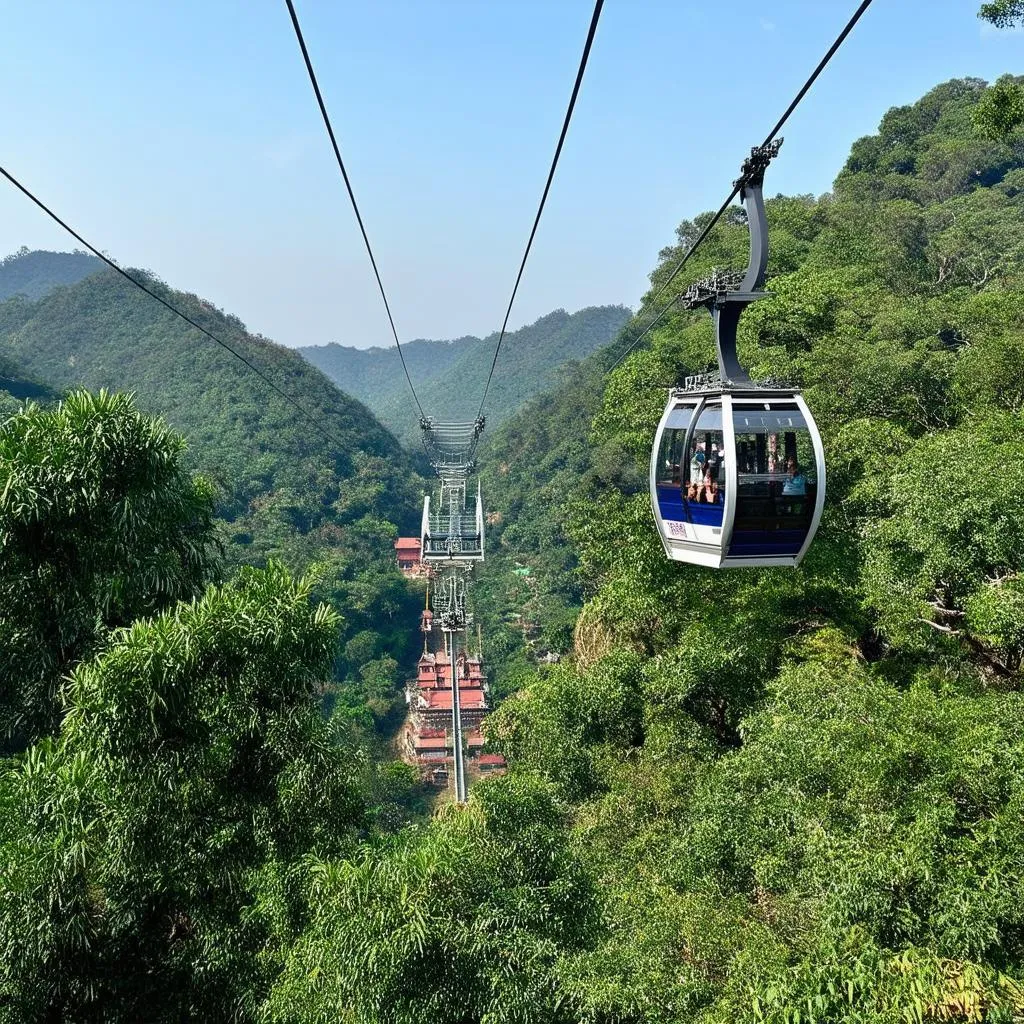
<point>771,795</point>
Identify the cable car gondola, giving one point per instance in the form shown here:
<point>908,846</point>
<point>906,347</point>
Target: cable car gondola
<point>737,468</point>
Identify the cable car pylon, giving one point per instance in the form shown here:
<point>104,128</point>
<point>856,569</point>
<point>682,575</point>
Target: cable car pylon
<point>451,543</point>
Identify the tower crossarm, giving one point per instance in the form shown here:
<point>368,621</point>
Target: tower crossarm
<point>451,447</point>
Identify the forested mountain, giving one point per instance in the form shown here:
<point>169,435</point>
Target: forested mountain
<point>760,796</point>
<point>103,333</point>
<point>449,376</point>
<point>800,791</point>
<point>33,273</point>
<point>373,375</point>
<point>284,489</point>
<point>548,448</point>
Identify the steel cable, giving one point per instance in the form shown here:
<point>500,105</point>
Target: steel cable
<point>351,193</point>
<point>830,53</point>
<point>547,187</point>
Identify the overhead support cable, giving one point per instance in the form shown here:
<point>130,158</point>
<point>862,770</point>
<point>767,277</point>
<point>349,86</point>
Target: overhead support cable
<point>351,193</point>
<point>547,187</point>
<point>280,392</point>
<point>738,185</point>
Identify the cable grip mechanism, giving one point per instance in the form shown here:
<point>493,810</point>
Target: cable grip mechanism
<point>726,294</point>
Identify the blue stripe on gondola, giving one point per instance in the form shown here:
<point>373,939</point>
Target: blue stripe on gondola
<point>670,504</point>
<point>763,542</point>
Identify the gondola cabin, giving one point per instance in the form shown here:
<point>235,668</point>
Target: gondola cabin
<point>737,467</point>
<point>737,477</point>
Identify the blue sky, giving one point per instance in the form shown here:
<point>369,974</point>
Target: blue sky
<point>183,137</point>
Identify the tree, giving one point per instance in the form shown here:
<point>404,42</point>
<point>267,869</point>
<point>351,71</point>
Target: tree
<point>974,239</point>
<point>1001,110</point>
<point>100,524</point>
<point>951,538</point>
<point>154,853</point>
<point>1002,13</point>
<point>462,920</point>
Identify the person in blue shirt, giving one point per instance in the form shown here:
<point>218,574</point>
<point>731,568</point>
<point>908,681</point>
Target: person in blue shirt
<point>797,480</point>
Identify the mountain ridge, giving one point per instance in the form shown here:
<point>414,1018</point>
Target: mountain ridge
<point>33,273</point>
<point>449,375</point>
<point>103,333</point>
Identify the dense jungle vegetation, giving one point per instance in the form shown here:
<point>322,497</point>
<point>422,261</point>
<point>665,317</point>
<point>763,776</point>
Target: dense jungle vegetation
<point>281,489</point>
<point>775,795</point>
<point>449,373</point>
<point>800,793</point>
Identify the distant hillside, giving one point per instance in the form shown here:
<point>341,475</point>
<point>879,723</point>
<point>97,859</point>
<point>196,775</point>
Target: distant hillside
<point>449,375</point>
<point>372,373</point>
<point>279,477</point>
<point>34,273</point>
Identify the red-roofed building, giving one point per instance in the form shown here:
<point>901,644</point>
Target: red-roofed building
<point>430,698</point>
<point>428,745</point>
<point>438,699</point>
<point>491,763</point>
<point>407,553</point>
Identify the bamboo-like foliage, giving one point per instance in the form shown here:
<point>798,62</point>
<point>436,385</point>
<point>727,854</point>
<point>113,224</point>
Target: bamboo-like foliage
<point>151,857</point>
<point>99,524</point>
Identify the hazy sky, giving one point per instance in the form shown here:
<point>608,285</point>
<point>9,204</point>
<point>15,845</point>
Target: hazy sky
<point>182,136</point>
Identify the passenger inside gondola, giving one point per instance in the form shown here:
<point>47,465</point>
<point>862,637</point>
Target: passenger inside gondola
<point>796,481</point>
<point>709,490</point>
<point>774,494</point>
<point>691,473</point>
<point>697,461</point>
<point>714,460</point>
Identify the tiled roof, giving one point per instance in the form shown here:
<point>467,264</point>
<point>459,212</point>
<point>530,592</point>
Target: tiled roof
<point>431,743</point>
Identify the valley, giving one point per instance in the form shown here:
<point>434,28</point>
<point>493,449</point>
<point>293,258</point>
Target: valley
<point>296,728</point>
<point>450,371</point>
